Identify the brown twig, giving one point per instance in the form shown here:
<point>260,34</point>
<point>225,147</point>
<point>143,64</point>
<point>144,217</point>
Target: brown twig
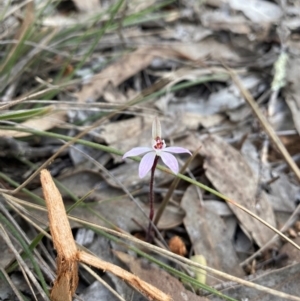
<point>68,255</point>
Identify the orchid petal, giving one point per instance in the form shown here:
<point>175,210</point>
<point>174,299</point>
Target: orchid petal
<point>146,163</point>
<point>176,150</point>
<point>170,161</point>
<point>137,151</point>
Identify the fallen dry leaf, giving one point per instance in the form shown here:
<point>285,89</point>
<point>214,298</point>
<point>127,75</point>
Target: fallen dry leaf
<point>43,123</point>
<point>207,48</point>
<point>283,280</point>
<point>87,6</point>
<point>292,254</point>
<point>118,72</point>
<point>194,120</point>
<point>209,237</point>
<point>283,194</point>
<point>258,11</point>
<point>140,59</point>
<point>231,175</point>
<point>126,134</point>
<point>221,20</point>
<point>230,98</point>
<point>159,278</point>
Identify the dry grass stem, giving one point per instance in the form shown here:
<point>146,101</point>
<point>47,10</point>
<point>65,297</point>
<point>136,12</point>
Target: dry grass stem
<point>266,125</point>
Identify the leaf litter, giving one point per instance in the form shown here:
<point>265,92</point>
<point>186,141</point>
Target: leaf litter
<point>190,46</point>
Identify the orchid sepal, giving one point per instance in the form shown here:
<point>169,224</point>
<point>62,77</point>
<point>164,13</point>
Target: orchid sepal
<point>136,151</point>
<point>177,150</point>
<point>146,164</point>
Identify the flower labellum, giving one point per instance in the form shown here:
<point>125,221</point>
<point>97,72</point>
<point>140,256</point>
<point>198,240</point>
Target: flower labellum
<point>158,149</point>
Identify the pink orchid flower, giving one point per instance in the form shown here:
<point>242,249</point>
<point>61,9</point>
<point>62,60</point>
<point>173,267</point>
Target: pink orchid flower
<point>158,149</point>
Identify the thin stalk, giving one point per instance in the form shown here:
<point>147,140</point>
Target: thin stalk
<point>151,199</point>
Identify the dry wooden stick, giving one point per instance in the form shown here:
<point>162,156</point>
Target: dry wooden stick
<point>67,268</point>
<point>68,255</point>
<point>148,290</point>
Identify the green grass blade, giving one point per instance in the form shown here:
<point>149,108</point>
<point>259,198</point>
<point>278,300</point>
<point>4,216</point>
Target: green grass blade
<point>26,114</point>
<point>26,249</point>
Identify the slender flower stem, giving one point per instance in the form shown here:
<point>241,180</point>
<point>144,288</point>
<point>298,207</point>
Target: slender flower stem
<point>151,199</point>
